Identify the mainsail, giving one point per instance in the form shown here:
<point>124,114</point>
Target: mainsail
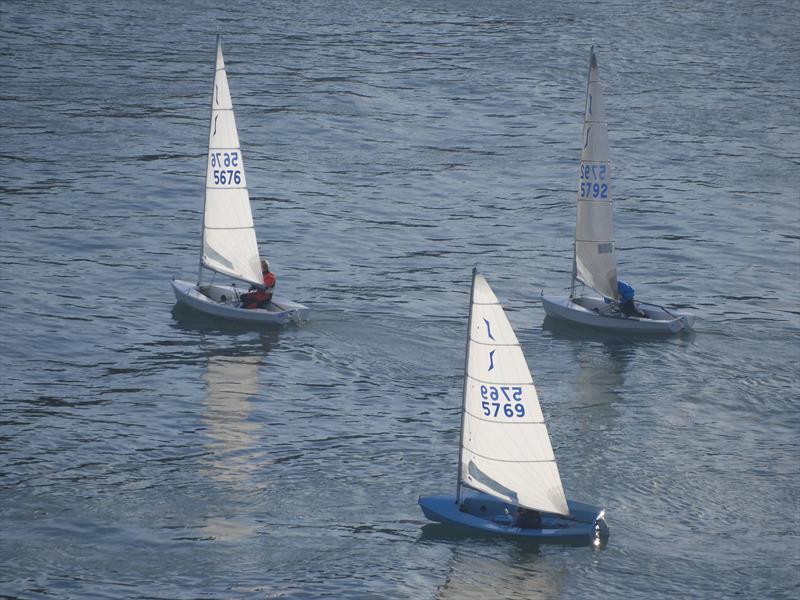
<point>229,237</point>
<point>505,447</point>
<point>595,264</point>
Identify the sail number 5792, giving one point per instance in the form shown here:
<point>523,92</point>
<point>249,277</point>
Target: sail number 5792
<point>502,401</point>
<point>593,181</point>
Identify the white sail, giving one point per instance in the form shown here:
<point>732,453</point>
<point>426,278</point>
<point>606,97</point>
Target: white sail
<point>229,238</point>
<point>595,263</point>
<point>506,449</point>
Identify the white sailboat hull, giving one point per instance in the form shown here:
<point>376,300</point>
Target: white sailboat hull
<point>595,312</point>
<point>222,301</point>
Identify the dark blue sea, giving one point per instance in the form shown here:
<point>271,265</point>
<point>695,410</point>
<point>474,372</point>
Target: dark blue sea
<point>148,452</point>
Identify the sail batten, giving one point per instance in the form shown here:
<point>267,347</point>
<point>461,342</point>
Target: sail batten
<point>229,243</point>
<point>506,460</point>
<point>594,258</point>
<point>480,418</point>
<point>505,448</point>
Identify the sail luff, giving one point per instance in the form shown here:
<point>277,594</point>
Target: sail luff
<point>594,262</point>
<point>229,244</point>
<point>464,390</point>
<point>205,191</point>
<point>574,243</point>
<point>506,450</point>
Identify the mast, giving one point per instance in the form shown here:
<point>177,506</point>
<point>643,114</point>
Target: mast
<point>205,185</point>
<point>464,394</point>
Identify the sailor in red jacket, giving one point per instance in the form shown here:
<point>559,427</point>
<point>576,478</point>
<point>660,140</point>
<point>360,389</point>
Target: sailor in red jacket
<point>257,297</point>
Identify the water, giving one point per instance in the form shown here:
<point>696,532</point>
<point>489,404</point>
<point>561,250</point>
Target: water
<point>147,452</point>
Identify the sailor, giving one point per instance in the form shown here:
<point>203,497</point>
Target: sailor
<point>259,297</point>
<point>269,277</point>
<point>626,303</point>
<point>527,518</point>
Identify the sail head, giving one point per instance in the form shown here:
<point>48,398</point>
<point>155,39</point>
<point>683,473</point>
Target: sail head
<point>506,449</point>
<point>230,246</point>
<point>595,260</point>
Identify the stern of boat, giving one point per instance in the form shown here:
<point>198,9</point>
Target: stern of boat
<point>587,513</point>
<point>687,321</point>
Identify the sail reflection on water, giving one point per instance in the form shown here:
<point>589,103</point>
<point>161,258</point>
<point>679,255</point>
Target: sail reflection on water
<point>235,442</point>
<point>234,445</point>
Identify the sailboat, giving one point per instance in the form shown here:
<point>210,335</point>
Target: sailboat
<point>229,246</point>
<point>506,464</point>
<point>594,262</point>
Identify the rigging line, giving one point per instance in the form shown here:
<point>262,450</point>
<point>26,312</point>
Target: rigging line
<point>665,309</point>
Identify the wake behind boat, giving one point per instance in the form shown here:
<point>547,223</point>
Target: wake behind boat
<point>229,244</point>
<point>594,262</point>
<point>508,481</point>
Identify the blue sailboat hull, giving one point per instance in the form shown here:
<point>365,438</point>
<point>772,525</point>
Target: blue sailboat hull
<point>487,514</point>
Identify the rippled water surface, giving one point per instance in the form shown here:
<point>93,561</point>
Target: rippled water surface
<point>147,452</point>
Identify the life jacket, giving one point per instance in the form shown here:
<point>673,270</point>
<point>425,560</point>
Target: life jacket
<point>625,290</point>
<point>258,298</point>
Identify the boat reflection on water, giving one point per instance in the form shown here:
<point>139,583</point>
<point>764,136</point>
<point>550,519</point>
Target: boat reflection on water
<point>600,379</point>
<point>599,365</point>
<point>485,566</point>
<point>489,567</point>
<point>235,438</point>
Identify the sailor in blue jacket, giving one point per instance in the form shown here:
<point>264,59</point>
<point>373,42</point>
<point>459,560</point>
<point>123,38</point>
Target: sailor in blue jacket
<point>626,304</point>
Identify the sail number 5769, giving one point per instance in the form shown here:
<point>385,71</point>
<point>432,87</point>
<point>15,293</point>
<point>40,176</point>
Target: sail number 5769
<point>504,400</point>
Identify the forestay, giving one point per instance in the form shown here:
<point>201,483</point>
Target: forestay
<point>595,264</point>
<point>506,449</point>
<point>229,237</point>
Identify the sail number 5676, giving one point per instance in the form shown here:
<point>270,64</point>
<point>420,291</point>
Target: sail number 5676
<point>224,159</point>
<point>505,400</point>
<point>228,177</point>
<point>226,171</point>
